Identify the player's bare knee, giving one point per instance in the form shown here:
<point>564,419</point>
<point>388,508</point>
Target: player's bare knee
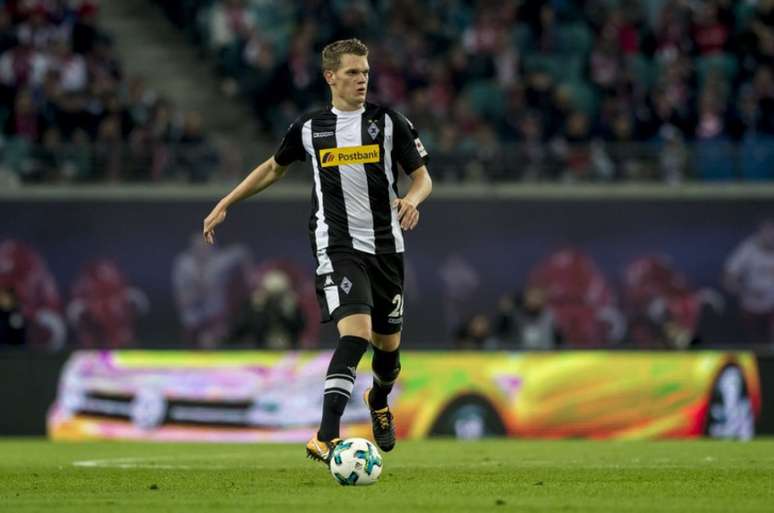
<point>357,325</point>
<point>387,343</point>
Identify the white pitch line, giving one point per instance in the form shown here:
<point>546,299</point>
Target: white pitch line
<point>148,463</point>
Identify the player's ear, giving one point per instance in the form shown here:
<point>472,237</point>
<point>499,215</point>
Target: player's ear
<point>330,76</point>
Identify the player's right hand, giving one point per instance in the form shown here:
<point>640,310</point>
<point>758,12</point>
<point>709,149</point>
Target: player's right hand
<point>210,222</point>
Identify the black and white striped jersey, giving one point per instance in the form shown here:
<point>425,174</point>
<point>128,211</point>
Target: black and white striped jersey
<point>355,157</point>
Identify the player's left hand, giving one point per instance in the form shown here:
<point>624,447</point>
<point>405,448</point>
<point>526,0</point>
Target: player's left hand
<point>408,215</point>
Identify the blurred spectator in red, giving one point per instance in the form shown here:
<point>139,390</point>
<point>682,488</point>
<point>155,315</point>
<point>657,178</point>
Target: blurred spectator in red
<point>663,310</point>
<point>710,33</point>
<point>209,286</point>
<point>749,275</point>
<point>579,297</point>
<point>103,308</point>
<point>25,122</point>
<point>13,325</point>
<point>621,29</point>
<point>24,270</point>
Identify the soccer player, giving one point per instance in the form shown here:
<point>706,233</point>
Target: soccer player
<point>355,229</point>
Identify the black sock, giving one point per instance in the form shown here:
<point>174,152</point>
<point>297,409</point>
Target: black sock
<point>339,382</point>
<point>386,367</point>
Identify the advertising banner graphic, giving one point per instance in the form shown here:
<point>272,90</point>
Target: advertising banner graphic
<point>277,396</point>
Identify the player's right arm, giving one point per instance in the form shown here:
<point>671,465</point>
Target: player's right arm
<point>290,150</point>
<point>259,179</point>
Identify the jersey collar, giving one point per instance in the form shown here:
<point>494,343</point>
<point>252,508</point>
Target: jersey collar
<point>348,113</point>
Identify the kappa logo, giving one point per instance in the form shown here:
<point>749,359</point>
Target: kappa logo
<point>350,155</point>
<point>329,281</point>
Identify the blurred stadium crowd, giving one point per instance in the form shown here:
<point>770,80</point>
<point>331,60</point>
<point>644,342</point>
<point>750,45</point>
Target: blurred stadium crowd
<point>572,90</point>
<point>69,113</point>
<point>225,299</point>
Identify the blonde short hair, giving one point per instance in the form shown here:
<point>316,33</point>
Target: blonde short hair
<point>331,54</point>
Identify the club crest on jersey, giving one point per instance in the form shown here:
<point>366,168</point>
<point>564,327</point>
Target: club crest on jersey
<point>373,130</point>
<point>350,155</point>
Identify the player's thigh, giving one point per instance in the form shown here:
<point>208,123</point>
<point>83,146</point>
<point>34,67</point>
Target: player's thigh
<point>386,274</point>
<point>346,291</point>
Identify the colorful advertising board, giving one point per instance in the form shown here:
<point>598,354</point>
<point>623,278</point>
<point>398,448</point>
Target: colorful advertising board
<point>277,396</point>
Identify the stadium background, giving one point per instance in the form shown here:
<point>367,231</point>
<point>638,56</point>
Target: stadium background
<point>598,165</point>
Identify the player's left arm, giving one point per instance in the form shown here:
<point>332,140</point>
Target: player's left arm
<point>412,156</point>
<point>408,205</point>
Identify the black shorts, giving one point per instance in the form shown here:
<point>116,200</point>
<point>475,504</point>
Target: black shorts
<point>362,283</point>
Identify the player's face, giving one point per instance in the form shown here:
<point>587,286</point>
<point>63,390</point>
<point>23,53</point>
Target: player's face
<point>350,81</point>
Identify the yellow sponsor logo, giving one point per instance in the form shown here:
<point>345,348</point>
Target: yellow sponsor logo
<point>352,155</point>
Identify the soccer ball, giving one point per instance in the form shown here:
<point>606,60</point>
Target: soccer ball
<point>356,461</point>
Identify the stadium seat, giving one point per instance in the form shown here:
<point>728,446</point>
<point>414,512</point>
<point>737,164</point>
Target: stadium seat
<point>725,63</point>
<point>542,62</point>
<point>562,68</point>
<point>583,96</point>
<point>643,69</point>
<point>757,162</point>
<point>743,12</point>
<point>575,39</point>
<point>715,160</point>
<point>16,152</point>
<point>520,37</point>
<point>486,98</point>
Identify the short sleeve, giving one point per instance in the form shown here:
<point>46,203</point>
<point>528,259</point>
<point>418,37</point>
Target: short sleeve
<point>409,151</point>
<point>291,149</point>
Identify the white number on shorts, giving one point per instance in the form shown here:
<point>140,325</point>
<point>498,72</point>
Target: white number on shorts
<point>398,302</point>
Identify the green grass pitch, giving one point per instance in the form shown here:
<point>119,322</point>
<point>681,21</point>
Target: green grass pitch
<point>426,476</point>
